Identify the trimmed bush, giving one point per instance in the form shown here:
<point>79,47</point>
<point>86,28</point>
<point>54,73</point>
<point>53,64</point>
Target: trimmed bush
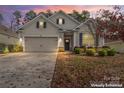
<point>5,50</point>
<point>77,50</point>
<point>106,48</point>
<point>18,48</point>
<point>83,49</point>
<point>99,48</point>
<point>75,47</point>
<point>90,52</point>
<point>111,52</point>
<point>94,49</point>
<point>102,52</point>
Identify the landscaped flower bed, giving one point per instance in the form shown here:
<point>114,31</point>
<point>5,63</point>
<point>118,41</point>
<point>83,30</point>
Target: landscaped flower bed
<point>10,48</point>
<point>92,51</point>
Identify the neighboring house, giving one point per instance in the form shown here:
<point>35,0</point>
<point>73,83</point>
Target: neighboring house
<point>118,45</point>
<point>7,37</point>
<point>58,31</point>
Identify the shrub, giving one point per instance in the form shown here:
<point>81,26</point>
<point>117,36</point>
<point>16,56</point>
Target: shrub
<point>18,48</point>
<point>5,50</point>
<point>11,48</point>
<point>111,52</point>
<point>90,52</point>
<point>106,47</point>
<point>94,49</point>
<point>102,52</point>
<point>98,48</point>
<point>77,50</point>
<point>76,47</point>
<point>83,49</point>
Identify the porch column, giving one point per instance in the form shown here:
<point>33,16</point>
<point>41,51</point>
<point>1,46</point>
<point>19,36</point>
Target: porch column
<point>21,40</point>
<point>61,40</point>
<point>75,39</point>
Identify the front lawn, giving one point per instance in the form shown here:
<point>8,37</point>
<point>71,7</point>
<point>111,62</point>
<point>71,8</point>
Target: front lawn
<point>82,71</point>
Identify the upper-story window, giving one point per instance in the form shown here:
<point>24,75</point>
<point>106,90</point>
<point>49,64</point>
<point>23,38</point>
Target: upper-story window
<point>60,21</point>
<point>41,24</point>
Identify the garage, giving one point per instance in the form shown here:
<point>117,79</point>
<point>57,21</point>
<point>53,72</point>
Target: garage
<point>41,44</point>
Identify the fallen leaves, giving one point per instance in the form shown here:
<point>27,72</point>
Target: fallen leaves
<point>77,71</point>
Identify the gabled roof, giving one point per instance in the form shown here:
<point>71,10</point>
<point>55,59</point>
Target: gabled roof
<point>89,26</point>
<point>40,15</point>
<point>54,24</point>
<point>6,31</point>
<point>65,15</point>
<point>83,23</point>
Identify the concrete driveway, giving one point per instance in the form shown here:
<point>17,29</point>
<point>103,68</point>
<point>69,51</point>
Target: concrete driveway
<point>27,69</point>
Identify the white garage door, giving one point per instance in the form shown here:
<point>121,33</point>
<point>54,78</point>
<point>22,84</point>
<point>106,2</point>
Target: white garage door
<point>40,44</point>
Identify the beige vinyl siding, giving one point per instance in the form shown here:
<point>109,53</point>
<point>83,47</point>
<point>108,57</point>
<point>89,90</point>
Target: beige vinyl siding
<point>117,45</point>
<point>5,39</point>
<point>87,38</point>
<point>49,31</point>
<point>68,24</point>
<point>40,39</point>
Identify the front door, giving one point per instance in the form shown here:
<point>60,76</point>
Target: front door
<point>67,44</point>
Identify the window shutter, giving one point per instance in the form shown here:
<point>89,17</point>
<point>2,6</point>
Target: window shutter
<point>63,21</point>
<point>37,24</point>
<point>80,39</point>
<point>44,25</point>
<point>57,21</point>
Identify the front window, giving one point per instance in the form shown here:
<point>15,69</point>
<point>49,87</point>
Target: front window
<point>41,24</point>
<point>60,21</point>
